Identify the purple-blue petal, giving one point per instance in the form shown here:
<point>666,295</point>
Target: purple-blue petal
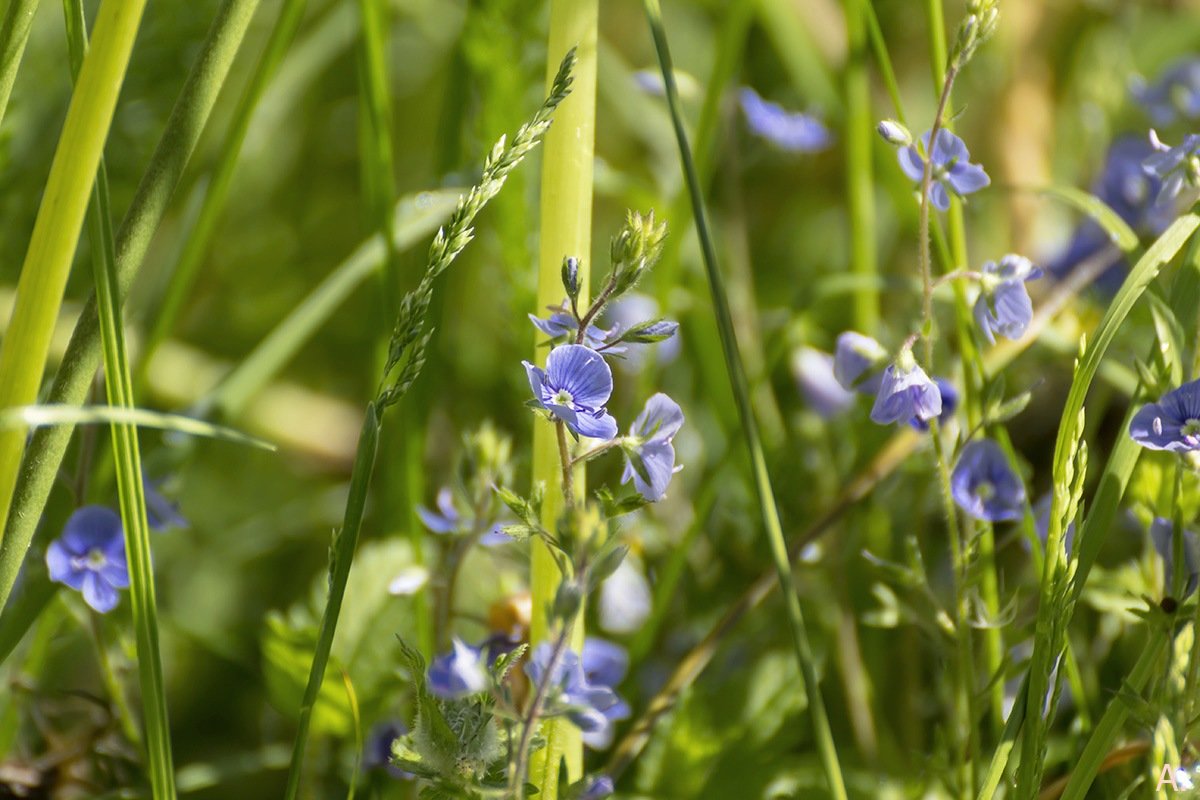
<point>966,178</point>
<point>91,527</point>
<point>661,418</point>
<point>939,196</point>
<point>911,163</point>
<point>983,464</point>
<point>582,372</point>
<point>596,425</point>
<point>99,593</point>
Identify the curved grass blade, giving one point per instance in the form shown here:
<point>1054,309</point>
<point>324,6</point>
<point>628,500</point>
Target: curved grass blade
<point>416,216</point>
<point>130,488</point>
<point>737,380</point>
<point>50,415</point>
<point>60,221</point>
<point>1056,604</point>
<point>184,275</point>
<point>82,359</point>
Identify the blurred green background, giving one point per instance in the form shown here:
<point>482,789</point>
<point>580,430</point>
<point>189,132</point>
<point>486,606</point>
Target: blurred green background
<point>1039,105</point>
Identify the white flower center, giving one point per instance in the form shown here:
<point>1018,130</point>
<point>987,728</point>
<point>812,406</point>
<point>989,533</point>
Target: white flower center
<point>563,398</point>
<point>1191,427</point>
<point>94,560</point>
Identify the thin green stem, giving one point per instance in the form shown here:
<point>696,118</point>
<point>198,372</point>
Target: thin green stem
<point>737,379</point>
<point>965,693</point>
<point>112,683</point>
<point>130,488</point>
<point>217,194</point>
<point>83,355</point>
<point>341,557</point>
<point>59,223</point>
<point>566,230</point>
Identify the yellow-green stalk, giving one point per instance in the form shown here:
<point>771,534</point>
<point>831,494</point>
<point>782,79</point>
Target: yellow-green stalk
<point>566,230</point>
<point>59,222</point>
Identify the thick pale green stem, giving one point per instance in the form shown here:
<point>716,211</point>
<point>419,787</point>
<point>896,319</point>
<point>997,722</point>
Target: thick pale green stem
<point>82,358</point>
<point>859,183</point>
<point>566,230</point>
<point>59,222</point>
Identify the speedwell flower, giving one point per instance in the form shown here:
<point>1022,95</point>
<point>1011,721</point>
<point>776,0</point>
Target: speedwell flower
<point>856,362</point>
<point>1173,423</point>
<point>1176,92</point>
<point>649,454</point>
<point>561,324</point>
<point>984,485</point>
<point>90,557</point>
<point>459,673</point>
<point>906,393</point>
<point>448,520</point>
<point>598,788</point>
<point>949,405</point>
<point>1174,166</point>
<point>1003,305</point>
<point>952,168</point>
<point>813,371</point>
<point>605,664</point>
<point>574,387</point>
<point>791,131</point>
<point>569,691</point>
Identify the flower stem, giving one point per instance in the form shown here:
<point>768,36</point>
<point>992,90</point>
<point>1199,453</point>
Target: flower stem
<point>516,776</point>
<point>566,230</point>
<point>826,747</point>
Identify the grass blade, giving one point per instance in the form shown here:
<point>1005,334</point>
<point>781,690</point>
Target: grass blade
<point>47,415</point>
<point>737,379</point>
<point>130,489</point>
<point>290,16</point>
<point>416,217</point>
<point>83,355</point>
<point>59,223</point>
<point>1054,607</point>
<point>14,33</point>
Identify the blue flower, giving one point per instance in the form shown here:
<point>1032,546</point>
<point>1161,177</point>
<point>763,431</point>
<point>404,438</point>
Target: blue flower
<point>633,309</point>
<point>1173,423</point>
<point>161,513</point>
<point>791,131</point>
<point>1176,92</point>
<point>905,393</point>
<point>90,557</point>
<point>574,387</point>
<point>649,454</point>
<point>459,673</point>
<point>949,405</point>
<point>377,754</point>
<point>952,168</point>
<point>598,788</point>
<point>569,692</point>
<point>856,362</point>
<point>1174,166</point>
<point>984,485</point>
<point>561,325</point>
<point>814,374</point>
<point>1126,187</point>
<point>1162,532</point>
<point>447,520</point>
<point>605,664</point>
<point>1003,305</point>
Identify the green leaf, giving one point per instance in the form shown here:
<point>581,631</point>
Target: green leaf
<point>38,416</point>
<point>1118,230</point>
<point>287,646</point>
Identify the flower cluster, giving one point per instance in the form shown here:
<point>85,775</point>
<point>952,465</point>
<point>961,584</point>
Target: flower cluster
<point>951,170</point>
<point>576,384</point>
